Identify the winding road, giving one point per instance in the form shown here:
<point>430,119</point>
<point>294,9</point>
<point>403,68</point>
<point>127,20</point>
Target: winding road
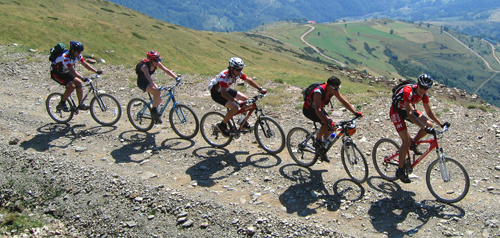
<point>314,47</point>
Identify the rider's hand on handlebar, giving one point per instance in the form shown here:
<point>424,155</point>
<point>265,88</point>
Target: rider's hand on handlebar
<point>358,114</point>
<point>262,90</point>
<point>98,72</point>
<point>85,79</point>
<point>331,124</point>
<point>447,124</point>
<point>430,130</point>
<point>178,79</point>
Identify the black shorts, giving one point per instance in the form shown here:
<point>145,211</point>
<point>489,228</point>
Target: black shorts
<point>217,96</point>
<point>142,83</point>
<point>62,79</point>
<point>310,113</point>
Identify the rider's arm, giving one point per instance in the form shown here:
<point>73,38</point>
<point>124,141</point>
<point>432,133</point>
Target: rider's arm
<point>431,114</point>
<point>74,73</point>
<point>325,120</point>
<point>252,83</point>
<point>411,112</point>
<point>344,102</point>
<point>87,66</point>
<point>168,71</point>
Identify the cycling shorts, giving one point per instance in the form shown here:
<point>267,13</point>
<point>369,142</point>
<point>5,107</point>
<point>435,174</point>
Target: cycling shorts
<point>398,118</point>
<point>62,79</point>
<point>310,113</point>
<point>217,96</point>
<point>142,83</point>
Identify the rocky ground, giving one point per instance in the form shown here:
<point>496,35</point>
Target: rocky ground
<point>85,180</point>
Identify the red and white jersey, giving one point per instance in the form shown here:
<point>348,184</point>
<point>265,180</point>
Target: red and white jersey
<point>224,81</point>
<point>409,95</point>
<point>65,61</point>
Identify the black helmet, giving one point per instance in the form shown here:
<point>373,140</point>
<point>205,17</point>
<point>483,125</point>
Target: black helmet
<point>76,45</point>
<point>425,80</point>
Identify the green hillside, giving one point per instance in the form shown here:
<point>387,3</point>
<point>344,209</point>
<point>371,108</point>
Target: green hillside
<point>399,49</point>
<point>127,35</point>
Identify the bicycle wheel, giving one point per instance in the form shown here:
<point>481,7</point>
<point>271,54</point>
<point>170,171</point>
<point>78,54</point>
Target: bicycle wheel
<point>448,182</point>
<point>300,145</point>
<point>183,121</point>
<point>139,114</point>
<point>269,135</point>
<point>59,116</point>
<point>382,150</point>
<point>105,109</point>
<point>354,162</point>
<point>211,132</point>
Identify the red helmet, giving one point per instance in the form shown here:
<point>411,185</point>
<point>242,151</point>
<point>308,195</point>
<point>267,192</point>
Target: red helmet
<point>154,56</point>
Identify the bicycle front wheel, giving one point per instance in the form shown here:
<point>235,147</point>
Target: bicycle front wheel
<point>139,114</point>
<point>385,156</point>
<point>210,131</point>
<point>105,109</point>
<point>269,135</point>
<point>300,146</point>
<point>447,180</point>
<point>59,116</point>
<point>184,121</point>
<point>354,162</point>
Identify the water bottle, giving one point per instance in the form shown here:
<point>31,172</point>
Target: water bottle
<point>330,138</point>
<point>240,120</point>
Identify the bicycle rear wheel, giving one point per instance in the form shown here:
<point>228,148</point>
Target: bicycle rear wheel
<point>269,135</point>
<point>354,162</point>
<point>384,149</point>
<point>448,182</point>
<point>139,114</point>
<point>105,109</point>
<point>300,145</point>
<point>184,121</point>
<point>211,133</point>
<point>59,116</point>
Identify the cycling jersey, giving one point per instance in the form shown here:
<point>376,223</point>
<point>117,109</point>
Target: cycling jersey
<point>321,89</point>
<point>142,81</point>
<point>62,63</point>
<point>410,95</point>
<point>224,81</point>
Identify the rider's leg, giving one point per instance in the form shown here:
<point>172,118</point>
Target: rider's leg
<point>405,137</point>
<point>233,107</point>
<point>79,89</point>
<point>421,133</point>
<point>70,87</point>
<point>156,95</point>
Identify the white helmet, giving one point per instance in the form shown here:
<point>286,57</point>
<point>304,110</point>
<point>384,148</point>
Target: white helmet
<point>236,62</point>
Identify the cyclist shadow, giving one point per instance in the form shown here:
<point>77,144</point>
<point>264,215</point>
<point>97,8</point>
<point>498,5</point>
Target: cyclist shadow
<point>218,164</point>
<point>310,193</point>
<point>390,213</point>
<point>62,136</point>
<point>137,147</point>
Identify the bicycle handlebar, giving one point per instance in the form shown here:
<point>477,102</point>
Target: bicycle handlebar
<point>169,88</point>
<point>254,99</point>
<point>342,123</point>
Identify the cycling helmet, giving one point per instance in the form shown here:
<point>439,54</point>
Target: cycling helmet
<point>154,56</point>
<point>76,45</point>
<point>236,62</point>
<point>425,80</point>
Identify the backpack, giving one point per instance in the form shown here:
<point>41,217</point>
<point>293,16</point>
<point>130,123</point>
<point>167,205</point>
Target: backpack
<point>57,51</point>
<point>396,98</point>
<point>309,89</point>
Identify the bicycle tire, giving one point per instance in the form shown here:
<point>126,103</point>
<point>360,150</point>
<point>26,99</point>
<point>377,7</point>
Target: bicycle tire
<point>382,149</point>
<point>105,109</point>
<point>300,146</point>
<point>210,131</point>
<point>139,114</point>
<point>445,191</point>
<point>58,115</point>
<point>184,121</point>
<point>354,163</point>
<point>269,135</point>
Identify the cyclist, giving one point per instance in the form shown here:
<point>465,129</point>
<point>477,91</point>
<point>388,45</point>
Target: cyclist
<point>144,70</point>
<point>405,110</point>
<point>222,93</point>
<point>314,109</point>
<point>64,73</point>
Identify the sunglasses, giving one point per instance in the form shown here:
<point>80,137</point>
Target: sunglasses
<point>335,88</point>
<point>238,69</point>
<point>423,87</point>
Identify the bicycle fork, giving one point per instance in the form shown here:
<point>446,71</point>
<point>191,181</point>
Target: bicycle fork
<point>445,174</point>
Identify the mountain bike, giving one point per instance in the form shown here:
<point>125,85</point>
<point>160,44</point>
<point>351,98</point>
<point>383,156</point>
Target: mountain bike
<point>446,178</point>
<point>104,108</point>
<point>300,145</point>
<point>268,132</point>
<point>182,118</point>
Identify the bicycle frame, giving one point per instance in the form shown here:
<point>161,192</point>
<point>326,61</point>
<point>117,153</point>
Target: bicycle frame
<point>249,107</point>
<point>170,97</point>
<point>93,89</point>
